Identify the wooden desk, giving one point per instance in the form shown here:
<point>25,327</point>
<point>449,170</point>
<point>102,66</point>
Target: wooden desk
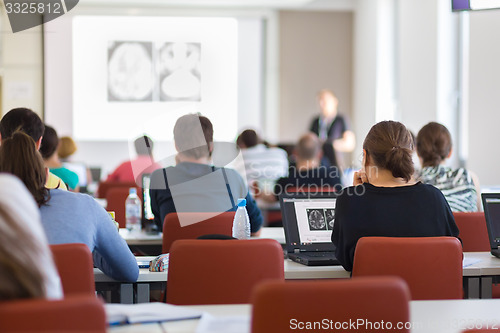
<point>446,316</point>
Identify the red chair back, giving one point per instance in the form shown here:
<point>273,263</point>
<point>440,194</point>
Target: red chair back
<point>431,266</point>
<point>71,314</point>
<point>473,231</point>
<point>115,198</point>
<point>280,307</point>
<point>194,225</point>
<point>103,187</point>
<point>221,271</point>
<point>76,268</point>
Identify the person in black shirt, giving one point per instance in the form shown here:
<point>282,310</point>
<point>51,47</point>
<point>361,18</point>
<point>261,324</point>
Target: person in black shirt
<point>384,200</point>
<point>332,129</point>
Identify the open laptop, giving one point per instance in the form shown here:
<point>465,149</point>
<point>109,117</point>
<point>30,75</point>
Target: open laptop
<point>308,224</point>
<point>491,204</point>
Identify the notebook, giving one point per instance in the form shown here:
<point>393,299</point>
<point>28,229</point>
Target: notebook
<point>491,204</point>
<point>308,223</point>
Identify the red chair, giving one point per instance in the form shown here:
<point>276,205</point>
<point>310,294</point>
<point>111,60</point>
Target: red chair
<point>431,266</point>
<point>76,268</point>
<point>115,198</point>
<point>473,231</point>
<point>221,271</point>
<point>103,188</point>
<point>279,307</point>
<point>195,225</point>
<point>71,314</point>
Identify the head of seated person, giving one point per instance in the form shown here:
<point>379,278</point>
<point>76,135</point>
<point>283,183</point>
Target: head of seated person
<point>308,152</point>
<point>25,120</point>
<point>387,156</point>
<point>193,137</point>
<point>67,147</point>
<point>247,139</point>
<point>434,144</point>
<point>143,146</point>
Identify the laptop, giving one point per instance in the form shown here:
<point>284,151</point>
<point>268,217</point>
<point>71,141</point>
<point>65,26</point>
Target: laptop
<point>491,204</point>
<point>308,223</point>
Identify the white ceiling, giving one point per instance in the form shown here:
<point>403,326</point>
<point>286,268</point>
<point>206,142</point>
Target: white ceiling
<point>275,4</point>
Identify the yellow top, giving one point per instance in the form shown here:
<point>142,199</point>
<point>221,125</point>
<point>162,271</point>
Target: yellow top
<point>55,182</point>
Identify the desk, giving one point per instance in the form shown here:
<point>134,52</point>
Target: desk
<point>446,316</point>
<point>143,243</point>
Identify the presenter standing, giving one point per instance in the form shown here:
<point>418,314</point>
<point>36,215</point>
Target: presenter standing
<point>332,129</point>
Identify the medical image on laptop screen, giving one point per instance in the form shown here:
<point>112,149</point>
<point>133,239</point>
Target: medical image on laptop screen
<point>494,214</point>
<point>315,220</point>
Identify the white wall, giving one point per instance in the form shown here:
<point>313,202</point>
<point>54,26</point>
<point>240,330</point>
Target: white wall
<point>484,96</point>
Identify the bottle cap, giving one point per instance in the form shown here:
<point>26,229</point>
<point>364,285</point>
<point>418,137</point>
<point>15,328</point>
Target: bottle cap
<point>242,202</point>
<point>132,190</point>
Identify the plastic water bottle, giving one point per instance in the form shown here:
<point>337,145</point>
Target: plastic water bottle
<point>133,211</point>
<point>241,222</point>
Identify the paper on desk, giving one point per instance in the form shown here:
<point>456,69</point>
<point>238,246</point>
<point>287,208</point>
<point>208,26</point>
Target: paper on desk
<point>147,312</point>
<point>228,324</point>
<point>470,261</point>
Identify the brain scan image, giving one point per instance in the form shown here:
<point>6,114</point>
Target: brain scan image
<point>316,219</point>
<point>130,71</point>
<point>330,218</point>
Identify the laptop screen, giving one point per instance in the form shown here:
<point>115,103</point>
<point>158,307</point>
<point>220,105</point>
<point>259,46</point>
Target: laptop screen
<point>308,220</point>
<point>147,214</point>
<point>491,203</point>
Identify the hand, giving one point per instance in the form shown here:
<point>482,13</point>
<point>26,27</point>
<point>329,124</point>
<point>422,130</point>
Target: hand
<point>359,178</point>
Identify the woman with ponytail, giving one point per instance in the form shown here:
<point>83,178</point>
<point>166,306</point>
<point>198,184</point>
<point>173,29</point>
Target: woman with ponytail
<point>68,217</point>
<point>385,200</point>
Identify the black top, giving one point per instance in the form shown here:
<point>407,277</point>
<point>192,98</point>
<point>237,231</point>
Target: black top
<point>335,131</point>
<point>194,187</point>
<point>418,210</point>
<point>309,180</point>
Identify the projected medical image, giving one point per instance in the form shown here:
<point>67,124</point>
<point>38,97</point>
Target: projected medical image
<point>130,71</point>
<point>316,219</point>
<point>330,218</point>
<point>179,71</point>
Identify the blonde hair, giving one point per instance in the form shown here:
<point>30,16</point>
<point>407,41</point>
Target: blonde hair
<point>67,147</point>
<point>21,275</point>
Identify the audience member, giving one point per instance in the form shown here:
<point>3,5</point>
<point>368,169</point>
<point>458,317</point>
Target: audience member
<point>131,171</point>
<point>67,147</point>
<point>307,175</point>
<point>48,149</point>
<point>27,121</point>
<point>194,185</point>
<point>459,186</point>
<point>332,129</point>
<point>385,201</point>
<point>261,164</point>
<point>69,217</point>
<point>27,269</point>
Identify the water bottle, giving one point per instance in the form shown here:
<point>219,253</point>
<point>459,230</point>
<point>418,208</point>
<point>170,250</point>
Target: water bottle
<point>133,211</point>
<point>241,222</point>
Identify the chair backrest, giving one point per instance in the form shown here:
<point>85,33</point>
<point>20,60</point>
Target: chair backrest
<point>282,307</point>
<point>77,313</point>
<point>115,198</point>
<point>76,268</point>
<point>431,266</point>
<point>173,230</point>
<point>221,271</point>
<point>103,187</point>
<point>473,231</point>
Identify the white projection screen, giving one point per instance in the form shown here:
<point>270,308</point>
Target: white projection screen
<point>113,78</point>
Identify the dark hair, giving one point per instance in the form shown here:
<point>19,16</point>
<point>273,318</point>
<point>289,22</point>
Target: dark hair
<point>21,119</point>
<point>433,144</point>
<point>143,145</point>
<point>390,146</point>
<point>308,146</point>
<point>248,138</point>
<point>189,139</point>
<point>19,156</point>
<point>50,142</point>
